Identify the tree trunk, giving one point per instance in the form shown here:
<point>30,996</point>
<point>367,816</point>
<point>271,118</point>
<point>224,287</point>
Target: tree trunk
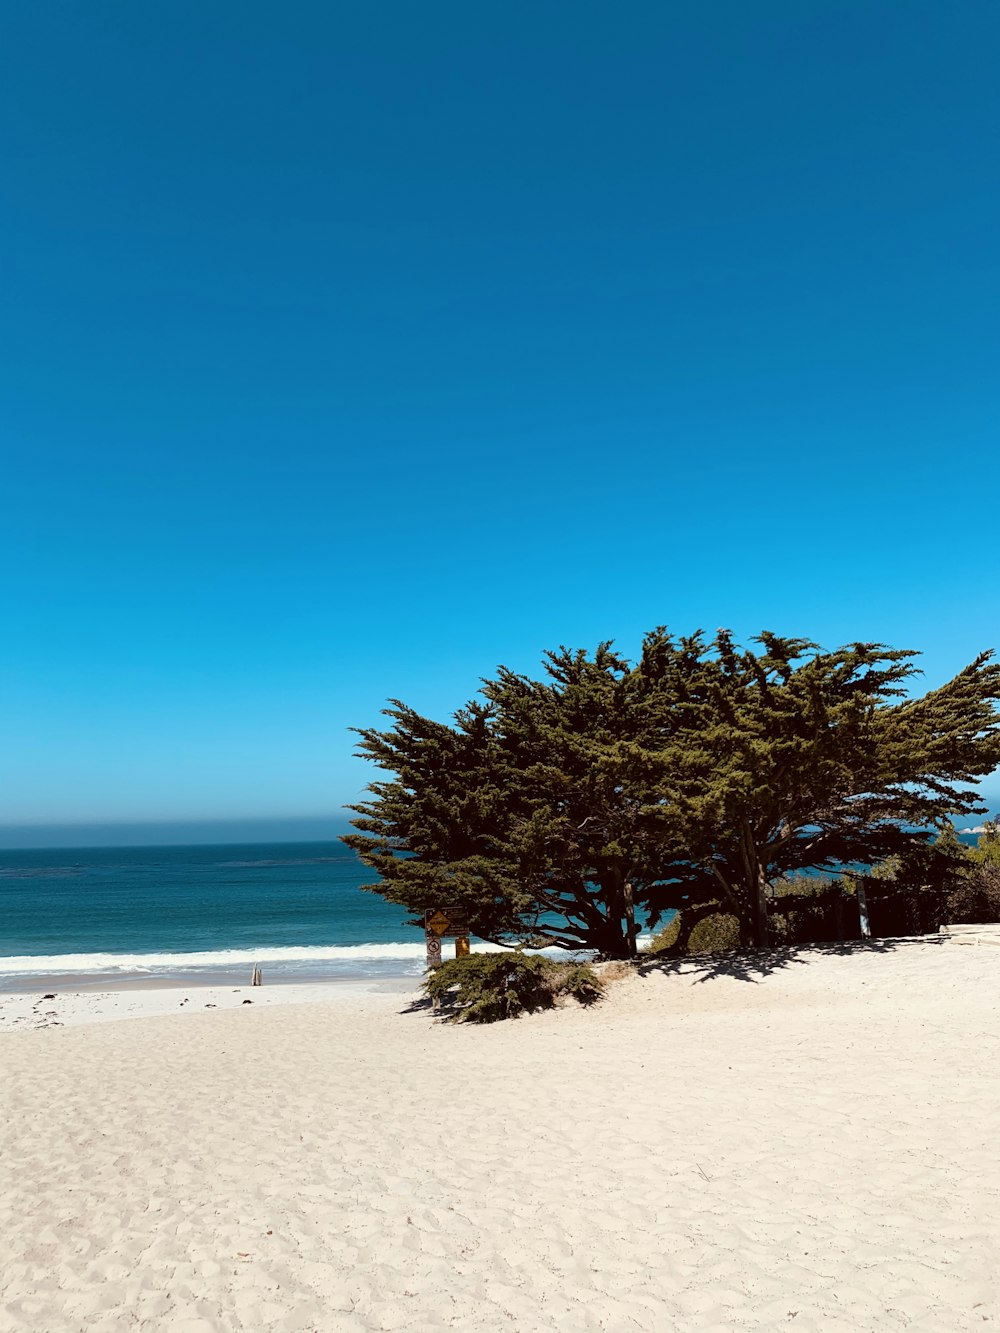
<point>619,925</point>
<point>629,919</point>
<point>761,909</point>
<point>756,886</point>
<point>610,941</point>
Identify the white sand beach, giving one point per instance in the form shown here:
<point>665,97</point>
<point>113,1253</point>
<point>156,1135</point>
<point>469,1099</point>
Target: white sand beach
<point>810,1147</point>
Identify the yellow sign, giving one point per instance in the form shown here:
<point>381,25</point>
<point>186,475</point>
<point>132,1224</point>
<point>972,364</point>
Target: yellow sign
<point>438,923</point>
<point>446,921</point>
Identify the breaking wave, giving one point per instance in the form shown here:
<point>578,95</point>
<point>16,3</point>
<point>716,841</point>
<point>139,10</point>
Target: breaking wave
<point>214,958</point>
<point>408,955</point>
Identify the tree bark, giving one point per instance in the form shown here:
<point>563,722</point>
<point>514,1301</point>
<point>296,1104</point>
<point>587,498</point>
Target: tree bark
<point>619,923</point>
<point>609,939</point>
<point>629,919</point>
<point>756,886</point>
<point>761,906</point>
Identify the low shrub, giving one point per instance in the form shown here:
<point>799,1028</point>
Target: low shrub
<point>664,940</point>
<point>714,933</point>
<point>976,900</point>
<point>813,909</point>
<point>487,987</point>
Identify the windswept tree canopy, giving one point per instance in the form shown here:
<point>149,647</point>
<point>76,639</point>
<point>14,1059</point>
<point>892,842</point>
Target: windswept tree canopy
<point>551,809</point>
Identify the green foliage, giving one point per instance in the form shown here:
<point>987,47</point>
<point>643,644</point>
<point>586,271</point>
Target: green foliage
<point>890,870</point>
<point>579,981</point>
<point>702,773</point>
<point>976,899</point>
<point>493,986</point>
<point>972,888</point>
<point>808,910</point>
<point>714,933</point>
<point>666,939</point>
<point>908,893</point>
<point>803,886</point>
<point>813,909</point>
<point>913,894</point>
<point>987,849</point>
<point>936,866</point>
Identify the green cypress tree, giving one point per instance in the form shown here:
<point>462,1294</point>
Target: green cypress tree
<point>692,779</point>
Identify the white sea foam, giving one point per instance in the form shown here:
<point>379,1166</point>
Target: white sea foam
<point>397,951</point>
<point>146,962</point>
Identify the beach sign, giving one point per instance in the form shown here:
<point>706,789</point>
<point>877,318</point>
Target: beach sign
<point>433,950</point>
<point>445,923</point>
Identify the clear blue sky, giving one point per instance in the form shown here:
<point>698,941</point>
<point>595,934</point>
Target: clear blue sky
<point>348,350</point>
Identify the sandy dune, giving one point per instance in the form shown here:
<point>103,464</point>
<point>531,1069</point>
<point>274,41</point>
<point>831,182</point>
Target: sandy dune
<point>815,1148</point>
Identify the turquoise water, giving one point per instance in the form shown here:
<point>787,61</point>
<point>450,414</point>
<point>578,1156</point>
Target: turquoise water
<point>296,908</point>
<point>149,913</point>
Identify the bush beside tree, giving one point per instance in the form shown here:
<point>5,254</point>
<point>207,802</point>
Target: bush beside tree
<point>487,987</point>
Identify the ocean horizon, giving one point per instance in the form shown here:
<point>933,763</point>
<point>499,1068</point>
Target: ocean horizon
<point>205,913</point>
<point>93,917</point>
<point>120,914</point>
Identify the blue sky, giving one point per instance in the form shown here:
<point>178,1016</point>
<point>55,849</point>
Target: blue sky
<point>348,351</point>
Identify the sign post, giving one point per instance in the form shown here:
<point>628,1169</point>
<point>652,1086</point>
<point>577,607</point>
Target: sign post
<point>866,930</point>
<point>445,923</point>
<point>433,950</point>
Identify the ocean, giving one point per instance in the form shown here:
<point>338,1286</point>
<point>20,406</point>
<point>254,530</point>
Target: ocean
<point>158,915</point>
<point>146,915</point>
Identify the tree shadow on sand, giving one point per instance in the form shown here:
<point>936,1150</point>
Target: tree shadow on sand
<point>749,965</point>
<point>754,965</point>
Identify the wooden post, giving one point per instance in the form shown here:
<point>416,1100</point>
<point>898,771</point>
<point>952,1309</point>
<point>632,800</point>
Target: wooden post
<point>462,946</point>
<point>255,977</point>
<point>763,931</point>
<point>433,942</point>
<point>630,919</point>
<point>866,930</point>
